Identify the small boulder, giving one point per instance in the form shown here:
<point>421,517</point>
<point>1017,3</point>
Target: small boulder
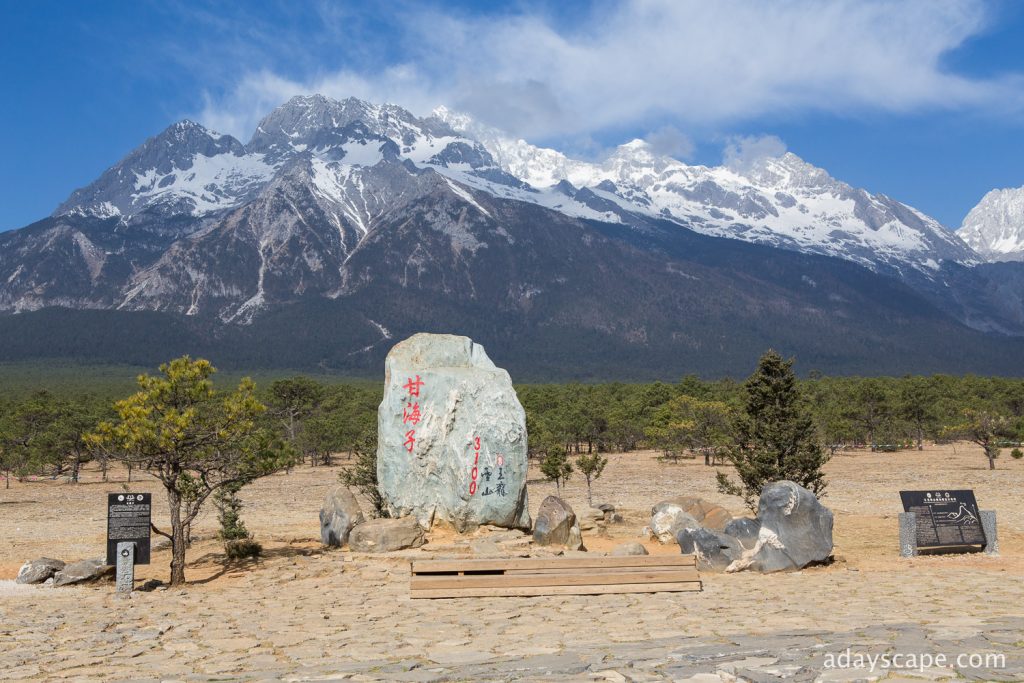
<point>708,514</point>
<point>632,548</point>
<point>595,514</point>
<point>556,525</point>
<point>668,519</point>
<point>796,530</point>
<point>608,510</point>
<point>338,515</point>
<point>714,551</point>
<point>745,530</point>
<point>82,572</point>
<point>38,571</point>
<point>386,535</point>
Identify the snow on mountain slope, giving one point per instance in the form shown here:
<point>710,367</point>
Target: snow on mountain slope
<point>995,227</point>
<point>782,201</point>
<point>186,169</point>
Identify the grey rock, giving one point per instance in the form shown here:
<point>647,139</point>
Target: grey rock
<point>557,525</point>
<point>339,513</point>
<point>608,511</point>
<point>386,535</point>
<point>908,534</point>
<point>38,571</point>
<point>595,514</point>
<point>988,526</point>
<point>745,530</point>
<point>452,436</point>
<point>714,551</point>
<point>632,548</point>
<point>82,572</point>
<point>796,530</point>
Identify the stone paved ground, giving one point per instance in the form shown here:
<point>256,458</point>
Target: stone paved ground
<point>306,614</point>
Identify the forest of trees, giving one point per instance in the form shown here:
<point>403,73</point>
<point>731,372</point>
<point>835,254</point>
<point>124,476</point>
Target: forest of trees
<point>41,433</point>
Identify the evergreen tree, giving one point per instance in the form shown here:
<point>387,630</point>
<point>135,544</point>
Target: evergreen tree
<point>591,466</point>
<point>917,407</point>
<point>556,466</point>
<point>194,439</point>
<point>238,541</point>
<point>775,436</point>
<point>985,428</point>
<point>362,474</point>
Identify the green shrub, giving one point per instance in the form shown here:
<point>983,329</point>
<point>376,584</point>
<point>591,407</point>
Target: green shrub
<point>362,475</point>
<point>244,548</point>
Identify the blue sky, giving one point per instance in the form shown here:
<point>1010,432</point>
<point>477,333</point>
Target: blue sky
<point>922,101</point>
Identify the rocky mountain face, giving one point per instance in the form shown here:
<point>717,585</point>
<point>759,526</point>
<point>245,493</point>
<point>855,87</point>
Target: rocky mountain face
<point>995,227</point>
<point>782,202</point>
<point>343,225</point>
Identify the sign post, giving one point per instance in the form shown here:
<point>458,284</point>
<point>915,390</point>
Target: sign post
<point>128,535</point>
<point>944,519</point>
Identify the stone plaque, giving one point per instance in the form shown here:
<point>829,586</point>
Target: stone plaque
<point>128,522</point>
<point>945,518</point>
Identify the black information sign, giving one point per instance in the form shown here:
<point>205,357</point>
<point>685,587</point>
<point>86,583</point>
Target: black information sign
<point>945,518</point>
<point>128,521</point>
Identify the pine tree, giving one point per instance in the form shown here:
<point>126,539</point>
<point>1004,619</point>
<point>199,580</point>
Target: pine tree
<point>238,541</point>
<point>194,439</point>
<point>591,466</point>
<point>556,466</point>
<point>775,436</point>
<point>362,474</point>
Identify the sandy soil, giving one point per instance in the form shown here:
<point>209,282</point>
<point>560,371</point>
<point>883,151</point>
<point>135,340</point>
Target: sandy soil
<point>299,603</point>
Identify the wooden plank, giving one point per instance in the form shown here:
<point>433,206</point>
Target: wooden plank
<point>565,579</point>
<point>493,565</point>
<point>531,591</point>
<point>579,570</point>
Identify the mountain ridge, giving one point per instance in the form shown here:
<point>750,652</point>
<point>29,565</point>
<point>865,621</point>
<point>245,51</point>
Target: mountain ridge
<point>398,223</point>
<point>995,227</point>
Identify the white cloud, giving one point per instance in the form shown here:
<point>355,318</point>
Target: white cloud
<point>743,151</point>
<point>672,142</point>
<point>699,64</point>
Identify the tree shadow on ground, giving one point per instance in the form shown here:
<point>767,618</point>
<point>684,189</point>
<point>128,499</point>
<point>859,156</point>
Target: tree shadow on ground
<point>240,566</point>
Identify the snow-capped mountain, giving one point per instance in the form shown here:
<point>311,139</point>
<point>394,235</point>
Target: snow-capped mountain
<point>369,221</point>
<point>995,227</point>
<point>186,169</point>
<point>784,202</point>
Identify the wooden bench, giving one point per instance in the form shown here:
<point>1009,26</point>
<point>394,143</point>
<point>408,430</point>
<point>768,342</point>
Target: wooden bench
<point>554,576</point>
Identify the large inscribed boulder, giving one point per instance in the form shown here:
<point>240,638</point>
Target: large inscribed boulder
<point>451,436</point>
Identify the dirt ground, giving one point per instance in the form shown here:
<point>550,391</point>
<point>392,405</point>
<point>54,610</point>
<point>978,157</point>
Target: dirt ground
<point>302,611</point>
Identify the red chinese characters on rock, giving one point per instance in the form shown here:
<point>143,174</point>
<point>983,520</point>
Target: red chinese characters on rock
<point>411,412</point>
<point>475,472</point>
